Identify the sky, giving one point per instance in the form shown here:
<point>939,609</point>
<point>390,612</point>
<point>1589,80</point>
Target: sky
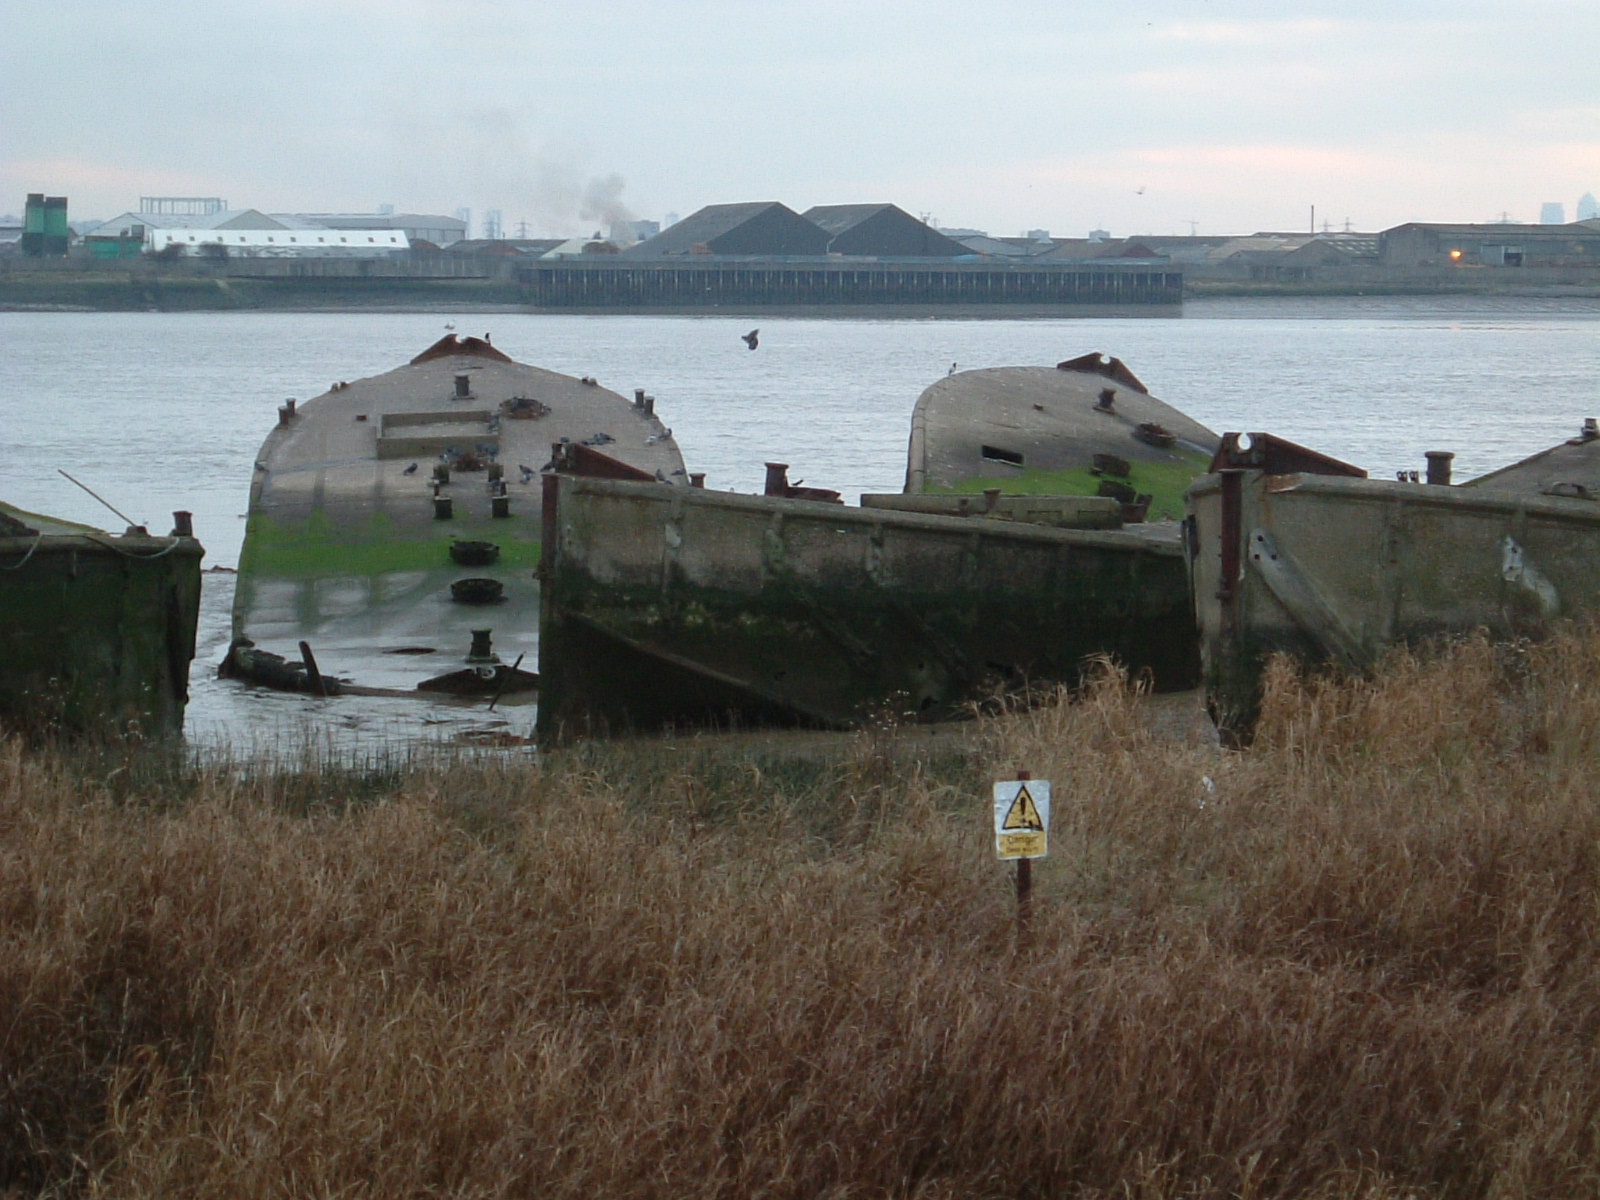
<point>1132,116</point>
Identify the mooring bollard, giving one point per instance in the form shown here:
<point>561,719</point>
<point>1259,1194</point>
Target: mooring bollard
<point>1439,466</point>
<point>442,508</point>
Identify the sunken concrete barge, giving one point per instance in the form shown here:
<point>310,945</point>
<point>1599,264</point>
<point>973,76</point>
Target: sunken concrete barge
<point>97,630</point>
<point>398,516</point>
<point>683,607</point>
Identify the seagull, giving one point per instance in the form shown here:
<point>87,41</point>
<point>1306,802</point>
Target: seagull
<point>411,470</point>
<point>752,339</point>
<point>449,324</point>
<point>952,369</point>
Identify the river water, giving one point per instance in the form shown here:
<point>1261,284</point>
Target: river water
<point>165,411</point>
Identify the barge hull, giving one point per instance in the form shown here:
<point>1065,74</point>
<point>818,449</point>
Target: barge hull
<point>98,632</point>
<point>1334,570</point>
<point>679,606</point>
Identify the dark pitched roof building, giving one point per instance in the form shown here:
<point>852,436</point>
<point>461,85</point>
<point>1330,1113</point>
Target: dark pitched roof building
<point>759,228</point>
<point>881,231</point>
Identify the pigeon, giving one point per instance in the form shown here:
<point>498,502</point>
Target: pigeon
<point>752,339</point>
<point>660,478</point>
<point>411,470</point>
<point>527,472</point>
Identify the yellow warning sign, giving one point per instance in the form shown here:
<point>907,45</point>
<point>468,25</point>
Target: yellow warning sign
<point>1022,818</point>
<point>1023,813</point>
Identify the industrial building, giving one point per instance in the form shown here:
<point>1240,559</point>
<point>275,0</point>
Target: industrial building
<point>762,228</point>
<point>881,231</point>
<point>205,225</point>
<point>44,226</point>
<point>1493,245</point>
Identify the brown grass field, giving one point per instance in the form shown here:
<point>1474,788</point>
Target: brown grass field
<point>1356,960</point>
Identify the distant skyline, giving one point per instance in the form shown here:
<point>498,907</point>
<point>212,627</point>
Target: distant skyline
<point>1162,116</point>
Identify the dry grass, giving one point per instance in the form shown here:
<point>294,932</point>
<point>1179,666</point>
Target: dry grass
<point>1357,961</point>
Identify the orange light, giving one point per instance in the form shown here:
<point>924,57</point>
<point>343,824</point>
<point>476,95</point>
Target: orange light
<point>1455,254</point>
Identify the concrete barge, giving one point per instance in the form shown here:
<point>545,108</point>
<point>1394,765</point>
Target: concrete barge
<point>98,630</point>
<point>395,521</point>
<point>678,607</point>
<point>1087,426</point>
<point>1296,553</point>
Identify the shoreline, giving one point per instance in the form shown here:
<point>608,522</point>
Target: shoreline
<point>136,290</point>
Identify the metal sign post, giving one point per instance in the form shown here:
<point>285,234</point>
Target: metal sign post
<point>1022,832</point>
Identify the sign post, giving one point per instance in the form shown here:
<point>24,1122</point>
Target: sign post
<point>1022,832</point>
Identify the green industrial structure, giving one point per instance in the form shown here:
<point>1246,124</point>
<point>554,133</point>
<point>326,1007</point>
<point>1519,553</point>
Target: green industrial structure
<point>44,226</point>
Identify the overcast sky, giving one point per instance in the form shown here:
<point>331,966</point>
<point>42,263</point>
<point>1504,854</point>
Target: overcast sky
<point>1136,116</point>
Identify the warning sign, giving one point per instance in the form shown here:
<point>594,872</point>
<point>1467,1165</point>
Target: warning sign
<point>1022,818</point>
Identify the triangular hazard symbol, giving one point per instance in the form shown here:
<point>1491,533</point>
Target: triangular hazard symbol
<point>1022,814</point>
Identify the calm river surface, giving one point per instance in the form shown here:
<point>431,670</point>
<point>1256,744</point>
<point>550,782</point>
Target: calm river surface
<point>163,411</point>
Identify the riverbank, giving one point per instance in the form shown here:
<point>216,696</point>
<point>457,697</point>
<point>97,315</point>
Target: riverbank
<point>149,291</point>
<point>1358,960</point>
<point>149,288</point>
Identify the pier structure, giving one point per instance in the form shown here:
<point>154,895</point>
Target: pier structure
<point>605,282</point>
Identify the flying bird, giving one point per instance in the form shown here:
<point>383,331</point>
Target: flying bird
<point>752,339</point>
